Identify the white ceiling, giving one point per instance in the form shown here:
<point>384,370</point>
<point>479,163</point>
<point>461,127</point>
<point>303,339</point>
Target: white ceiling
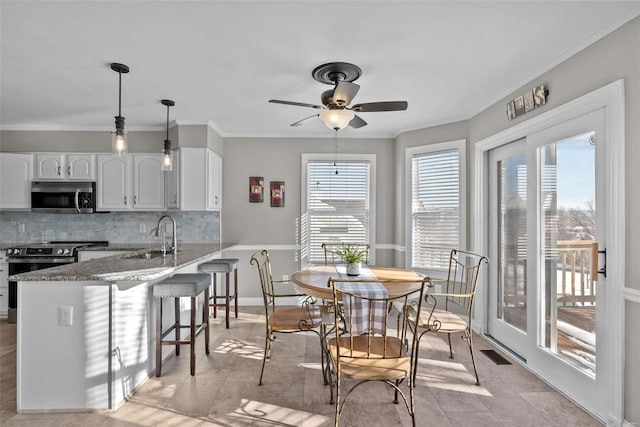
<point>220,61</point>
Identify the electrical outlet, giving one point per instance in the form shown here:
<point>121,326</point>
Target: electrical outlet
<point>65,315</point>
<point>21,228</point>
<point>285,277</point>
<point>143,228</point>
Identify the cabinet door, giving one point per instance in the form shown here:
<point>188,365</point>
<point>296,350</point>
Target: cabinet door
<point>15,180</point>
<point>148,182</point>
<point>172,182</point>
<point>80,167</point>
<point>113,182</point>
<point>192,190</point>
<point>214,181</point>
<point>4,294</point>
<point>50,166</point>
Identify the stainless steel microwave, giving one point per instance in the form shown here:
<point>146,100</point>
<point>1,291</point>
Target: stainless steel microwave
<point>63,197</point>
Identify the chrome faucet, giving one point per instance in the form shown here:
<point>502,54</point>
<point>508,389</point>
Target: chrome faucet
<point>174,236</point>
<point>163,245</point>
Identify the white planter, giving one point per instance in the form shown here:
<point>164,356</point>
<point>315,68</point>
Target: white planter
<point>353,269</point>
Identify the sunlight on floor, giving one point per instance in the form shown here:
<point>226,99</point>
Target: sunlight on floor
<point>241,348</point>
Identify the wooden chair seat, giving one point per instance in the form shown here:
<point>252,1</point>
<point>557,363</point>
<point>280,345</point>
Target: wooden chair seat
<point>293,319</point>
<point>441,320</point>
<point>371,365</point>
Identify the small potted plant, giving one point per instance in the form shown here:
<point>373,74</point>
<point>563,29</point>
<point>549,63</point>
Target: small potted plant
<point>352,256</point>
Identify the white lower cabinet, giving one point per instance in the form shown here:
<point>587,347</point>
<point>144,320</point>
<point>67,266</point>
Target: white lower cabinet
<point>16,172</point>
<point>195,183</point>
<point>4,285</point>
<point>130,182</point>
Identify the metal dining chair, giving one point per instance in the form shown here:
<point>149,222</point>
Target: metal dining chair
<point>366,347</point>
<point>438,314</point>
<point>282,319</point>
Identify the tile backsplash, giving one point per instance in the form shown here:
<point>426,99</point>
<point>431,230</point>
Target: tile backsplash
<point>116,227</point>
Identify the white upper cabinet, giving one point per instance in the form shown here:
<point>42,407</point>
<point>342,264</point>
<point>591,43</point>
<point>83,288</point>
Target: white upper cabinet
<point>172,182</point>
<point>55,166</point>
<point>148,182</point>
<point>214,181</point>
<point>130,182</point>
<point>113,185</point>
<point>195,183</point>
<point>16,172</point>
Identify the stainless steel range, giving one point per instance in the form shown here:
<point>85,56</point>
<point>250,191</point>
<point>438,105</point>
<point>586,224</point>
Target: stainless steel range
<point>39,256</point>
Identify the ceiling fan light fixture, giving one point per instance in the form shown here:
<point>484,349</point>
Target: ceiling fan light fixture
<point>337,118</point>
<point>167,153</point>
<point>119,136</point>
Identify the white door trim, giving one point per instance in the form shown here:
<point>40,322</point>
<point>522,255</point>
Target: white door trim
<point>611,98</point>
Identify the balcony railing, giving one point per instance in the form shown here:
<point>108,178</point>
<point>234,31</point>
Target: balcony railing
<point>577,271</point>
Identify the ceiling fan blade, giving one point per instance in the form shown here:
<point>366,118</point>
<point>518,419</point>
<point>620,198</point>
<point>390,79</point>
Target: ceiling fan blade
<point>357,122</point>
<point>380,106</point>
<point>299,122</point>
<point>344,92</point>
<point>297,104</point>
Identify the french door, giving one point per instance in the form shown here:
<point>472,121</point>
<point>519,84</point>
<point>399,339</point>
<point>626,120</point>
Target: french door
<point>547,229</point>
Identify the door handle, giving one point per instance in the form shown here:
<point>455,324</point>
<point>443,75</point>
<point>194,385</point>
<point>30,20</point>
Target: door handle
<point>135,200</point>
<point>125,200</point>
<point>603,270</point>
<point>59,170</point>
<point>69,170</point>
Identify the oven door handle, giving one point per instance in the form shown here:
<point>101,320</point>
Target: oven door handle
<point>77,200</point>
<point>38,260</point>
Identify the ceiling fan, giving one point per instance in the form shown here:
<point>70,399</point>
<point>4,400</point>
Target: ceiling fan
<point>337,114</point>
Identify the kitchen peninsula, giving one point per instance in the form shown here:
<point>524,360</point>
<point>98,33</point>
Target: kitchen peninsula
<point>88,328</point>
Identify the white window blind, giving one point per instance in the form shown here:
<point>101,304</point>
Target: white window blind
<point>435,208</point>
<point>337,205</point>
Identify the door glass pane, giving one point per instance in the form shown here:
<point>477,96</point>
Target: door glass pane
<point>569,251</point>
<point>512,241</point>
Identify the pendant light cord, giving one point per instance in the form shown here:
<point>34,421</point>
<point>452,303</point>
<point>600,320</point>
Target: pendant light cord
<point>119,93</point>
<point>335,149</point>
<point>167,122</point>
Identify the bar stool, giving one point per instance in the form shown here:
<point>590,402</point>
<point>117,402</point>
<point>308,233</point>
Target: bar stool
<point>222,265</point>
<point>177,286</point>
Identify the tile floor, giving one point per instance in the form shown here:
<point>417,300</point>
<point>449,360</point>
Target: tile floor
<point>224,391</point>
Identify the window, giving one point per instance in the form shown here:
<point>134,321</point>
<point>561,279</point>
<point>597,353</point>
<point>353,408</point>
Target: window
<point>436,204</point>
<point>336,207</point>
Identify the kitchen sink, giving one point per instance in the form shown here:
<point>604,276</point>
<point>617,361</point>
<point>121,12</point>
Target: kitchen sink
<point>144,255</point>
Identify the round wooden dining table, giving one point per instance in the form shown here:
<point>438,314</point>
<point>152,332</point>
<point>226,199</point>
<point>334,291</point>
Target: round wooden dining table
<point>314,281</point>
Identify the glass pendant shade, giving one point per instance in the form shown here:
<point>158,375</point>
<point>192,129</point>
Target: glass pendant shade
<point>167,157</point>
<point>337,119</point>
<point>119,142</point>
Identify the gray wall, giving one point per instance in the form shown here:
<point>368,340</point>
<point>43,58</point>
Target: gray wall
<point>78,142</point>
<point>257,225</point>
<point>614,57</point>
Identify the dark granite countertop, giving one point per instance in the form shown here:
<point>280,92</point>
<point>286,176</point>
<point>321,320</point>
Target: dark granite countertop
<point>120,267</point>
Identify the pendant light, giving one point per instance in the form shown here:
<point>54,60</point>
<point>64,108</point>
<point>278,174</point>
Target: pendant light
<point>119,136</point>
<point>167,154</point>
